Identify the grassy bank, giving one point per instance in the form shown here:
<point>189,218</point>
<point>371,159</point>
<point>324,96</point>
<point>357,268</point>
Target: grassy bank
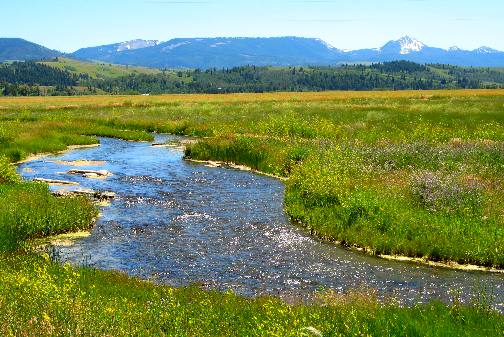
<point>28,210</point>
<point>412,173</point>
<point>44,299</point>
<point>417,200</point>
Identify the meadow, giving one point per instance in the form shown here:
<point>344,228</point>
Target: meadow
<point>413,173</point>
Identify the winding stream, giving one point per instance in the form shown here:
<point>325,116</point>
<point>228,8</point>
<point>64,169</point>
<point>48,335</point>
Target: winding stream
<point>178,223</point>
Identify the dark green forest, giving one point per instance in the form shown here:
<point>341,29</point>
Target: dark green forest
<point>31,78</point>
<point>34,79</point>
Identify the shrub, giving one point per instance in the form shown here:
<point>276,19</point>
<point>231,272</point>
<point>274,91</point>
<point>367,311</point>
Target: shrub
<point>437,192</point>
<point>8,173</point>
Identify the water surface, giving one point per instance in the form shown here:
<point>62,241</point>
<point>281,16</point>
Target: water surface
<point>179,223</point>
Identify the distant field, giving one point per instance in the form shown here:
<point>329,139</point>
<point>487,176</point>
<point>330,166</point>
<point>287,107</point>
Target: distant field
<point>140,100</point>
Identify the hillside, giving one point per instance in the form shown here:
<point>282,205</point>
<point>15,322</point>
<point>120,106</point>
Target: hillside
<point>229,52</point>
<point>21,50</point>
<point>96,70</point>
<point>107,52</point>
<point>401,75</point>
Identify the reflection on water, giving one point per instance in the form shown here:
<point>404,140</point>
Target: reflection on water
<point>178,223</point>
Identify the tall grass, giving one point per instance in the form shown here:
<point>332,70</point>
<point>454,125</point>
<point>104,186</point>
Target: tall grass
<point>28,210</point>
<point>450,213</point>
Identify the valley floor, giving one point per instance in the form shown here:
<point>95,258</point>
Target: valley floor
<point>417,174</point>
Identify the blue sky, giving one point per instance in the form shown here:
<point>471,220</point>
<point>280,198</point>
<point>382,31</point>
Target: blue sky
<point>69,24</point>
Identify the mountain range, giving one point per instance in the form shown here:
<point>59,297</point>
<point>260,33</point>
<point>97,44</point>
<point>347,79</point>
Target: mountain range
<point>207,53</point>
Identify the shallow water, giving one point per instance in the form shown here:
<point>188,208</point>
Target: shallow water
<point>178,223</point>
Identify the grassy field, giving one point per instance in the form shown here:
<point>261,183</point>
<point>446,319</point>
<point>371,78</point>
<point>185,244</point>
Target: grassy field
<point>410,173</point>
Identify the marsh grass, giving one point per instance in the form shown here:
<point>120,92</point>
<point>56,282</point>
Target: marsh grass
<point>451,213</point>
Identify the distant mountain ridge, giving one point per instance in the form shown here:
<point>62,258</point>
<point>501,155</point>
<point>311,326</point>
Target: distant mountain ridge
<point>284,51</point>
<point>230,52</point>
<point>218,52</point>
<point>410,49</point>
<point>106,52</point>
<point>14,49</point>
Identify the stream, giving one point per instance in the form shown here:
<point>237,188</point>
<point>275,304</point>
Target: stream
<point>178,223</point>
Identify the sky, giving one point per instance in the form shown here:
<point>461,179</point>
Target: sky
<point>67,25</point>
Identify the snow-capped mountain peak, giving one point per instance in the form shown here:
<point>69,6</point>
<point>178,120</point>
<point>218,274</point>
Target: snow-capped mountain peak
<point>409,45</point>
<point>136,44</point>
<point>326,44</point>
<point>486,50</point>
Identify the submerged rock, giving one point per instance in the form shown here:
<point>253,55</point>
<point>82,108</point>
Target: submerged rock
<point>56,182</point>
<point>61,240</point>
<point>213,164</point>
<point>174,145</point>
<point>91,173</point>
<point>95,195</point>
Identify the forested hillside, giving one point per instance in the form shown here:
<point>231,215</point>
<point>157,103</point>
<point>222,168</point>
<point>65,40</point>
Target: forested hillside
<point>34,79</point>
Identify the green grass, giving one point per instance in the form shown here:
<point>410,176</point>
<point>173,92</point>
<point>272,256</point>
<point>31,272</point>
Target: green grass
<point>411,173</point>
<point>358,163</point>
<point>20,137</point>
<point>388,199</point>
<point>379,147</point>
<point>44,299</point>
<point>28,210</point>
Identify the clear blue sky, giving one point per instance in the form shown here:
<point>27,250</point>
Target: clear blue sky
<point>70,24</point>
